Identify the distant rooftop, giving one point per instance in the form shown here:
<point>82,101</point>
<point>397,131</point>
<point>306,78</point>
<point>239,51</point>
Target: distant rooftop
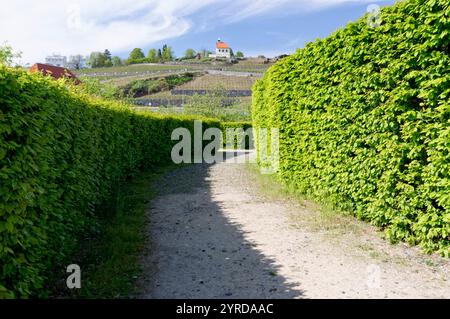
<point>222,45</point>
<point>54,71</point>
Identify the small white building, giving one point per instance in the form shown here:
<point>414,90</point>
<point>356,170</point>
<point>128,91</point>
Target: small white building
<point>56,60</point>
<point>223,51</point>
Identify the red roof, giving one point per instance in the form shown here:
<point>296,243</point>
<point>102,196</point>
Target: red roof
<point>54,71</point>
<point>222,45</point>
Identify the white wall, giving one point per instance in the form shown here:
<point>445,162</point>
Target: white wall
<point>223,53</point>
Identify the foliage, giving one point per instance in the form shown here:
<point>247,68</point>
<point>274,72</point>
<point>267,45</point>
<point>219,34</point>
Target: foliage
<point>154,56</point>
<point>136,54</point>
<point>216,104</point>
<point>167,53</point>
<point>190,54</point>
<point>7,54</point>
<point>239,54</point>
<point>98,60</point>
<point>364,120</point>
<point>241,140</point>
<point>110,261</point>
<point>139,88</point>
<point>108,58</point>
<point>94,87</point>
<point>62,156</point>
<point>116,61</point>
<point>151,57</point>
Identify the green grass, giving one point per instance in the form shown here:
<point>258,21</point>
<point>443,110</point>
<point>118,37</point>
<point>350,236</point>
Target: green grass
<point>110,261</point>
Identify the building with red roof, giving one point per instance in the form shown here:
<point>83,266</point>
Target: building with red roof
<point>223,50</point>
<point>54,71</point>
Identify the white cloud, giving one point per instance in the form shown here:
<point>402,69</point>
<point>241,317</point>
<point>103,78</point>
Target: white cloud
<point>39,28</point>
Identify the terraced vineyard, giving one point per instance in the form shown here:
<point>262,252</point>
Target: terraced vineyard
<point>219,89</point>
<point>226,88</point>
<point>213,82</point>
<point>145,69</point>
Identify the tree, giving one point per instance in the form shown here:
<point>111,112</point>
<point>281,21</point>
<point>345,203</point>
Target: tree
<point>136,54</point>
<point>75,61</point>
<point>107,55</point>
<point>97,60</point>
<point>116,61</point>
<point>167,53</point>
<point>190,54</point>
<point>7,55</point>
<point>159,56</point>
<point>239,54</point>
<point>152,56</point>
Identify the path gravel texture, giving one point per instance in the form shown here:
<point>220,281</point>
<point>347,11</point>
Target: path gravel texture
<point>212,233</point>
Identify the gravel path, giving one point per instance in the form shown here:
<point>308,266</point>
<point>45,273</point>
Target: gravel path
<point>213,234</point>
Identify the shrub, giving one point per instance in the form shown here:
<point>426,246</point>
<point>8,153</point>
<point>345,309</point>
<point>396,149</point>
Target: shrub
<point>139,88</point>
<point>241,139</point>
<point>364,120</point>
<point>217,104</point>
<point>179,79</point>
<point>63,155</point>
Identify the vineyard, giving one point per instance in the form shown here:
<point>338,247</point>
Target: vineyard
<point>226,88</point>
<point>150,69</point>
<point>228,97</point>
<point>213,82</point>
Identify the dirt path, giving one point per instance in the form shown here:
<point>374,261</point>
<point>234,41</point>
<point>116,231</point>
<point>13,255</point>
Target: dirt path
<point>214,235</point>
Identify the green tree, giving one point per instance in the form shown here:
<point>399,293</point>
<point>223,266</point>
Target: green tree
<point>7,55</point>
<point>108,61</point>
<point>167,53</point>
<point>116,61</point>
<point>107,54</point>
<point>239,54</point>
<point>97,60</point>
<point>190,54</point>
<point>159,56</point>
<point>136,54</point>
<point>152,55</point>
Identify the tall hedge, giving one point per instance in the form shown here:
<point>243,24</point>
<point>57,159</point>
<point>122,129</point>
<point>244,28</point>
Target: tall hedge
<point>240,136</point>
<point>364,120</point>
<point>62,155</point>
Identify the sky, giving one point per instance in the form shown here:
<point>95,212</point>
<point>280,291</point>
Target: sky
<point>255,27</point>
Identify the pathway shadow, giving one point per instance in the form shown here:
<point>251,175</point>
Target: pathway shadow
<point>196,252</point>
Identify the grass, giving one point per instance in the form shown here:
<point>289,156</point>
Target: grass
<point>110,261</point>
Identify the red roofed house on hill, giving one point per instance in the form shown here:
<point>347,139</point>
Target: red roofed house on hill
<point>54,71</point>
<point>223,50</point>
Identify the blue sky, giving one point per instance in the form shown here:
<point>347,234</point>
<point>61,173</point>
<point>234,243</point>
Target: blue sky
<point>268,27</point>
<point>274,33</point>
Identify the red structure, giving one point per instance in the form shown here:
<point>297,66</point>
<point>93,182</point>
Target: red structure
<point>54,71</point>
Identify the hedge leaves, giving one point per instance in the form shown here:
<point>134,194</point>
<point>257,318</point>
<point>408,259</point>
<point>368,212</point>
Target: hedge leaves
<point>364,119</point>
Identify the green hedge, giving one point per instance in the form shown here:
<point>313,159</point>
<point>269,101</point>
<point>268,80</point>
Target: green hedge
<point>62,156</point>
<point>240,139</point>
<point>364,120</point>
